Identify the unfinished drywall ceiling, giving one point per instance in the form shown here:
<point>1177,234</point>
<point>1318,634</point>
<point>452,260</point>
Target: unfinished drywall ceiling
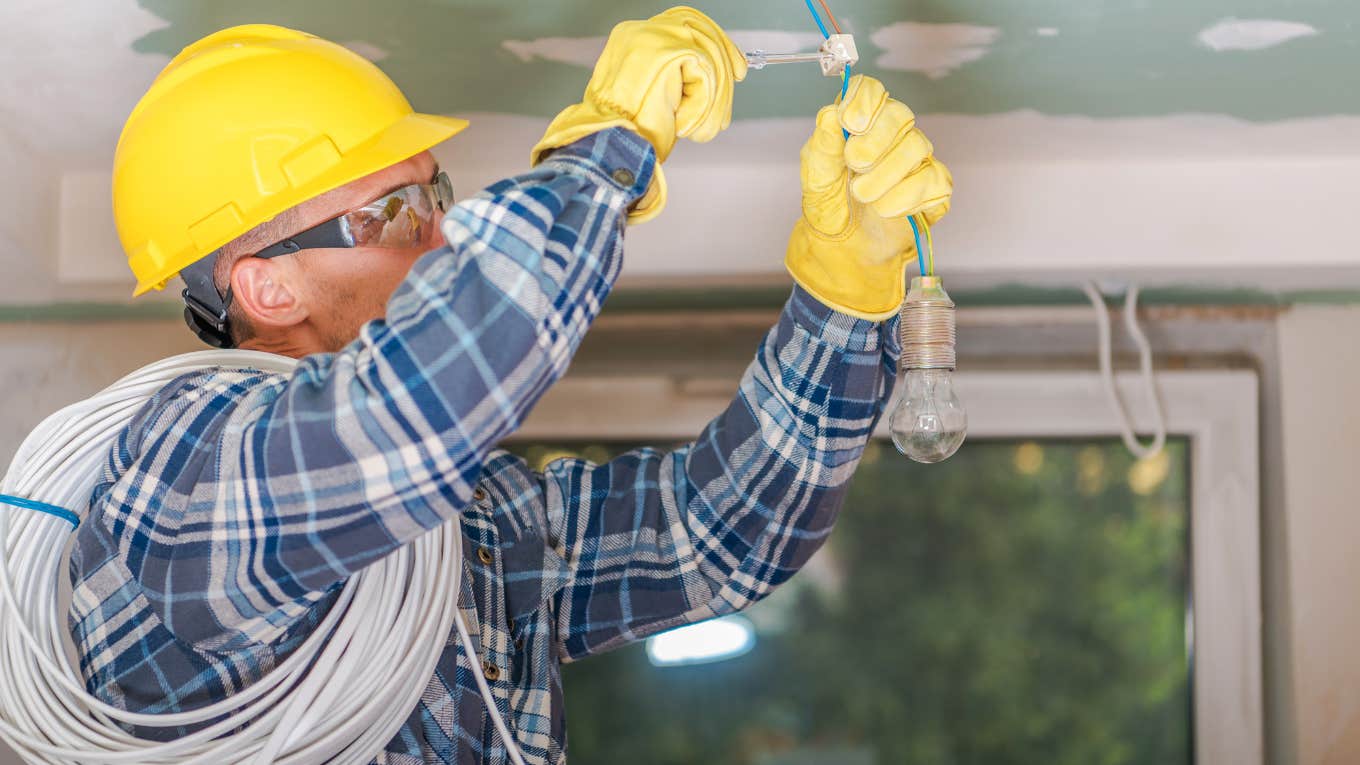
<point>1121,140</point>
<point>73,69</point>
<point>1256,60</point>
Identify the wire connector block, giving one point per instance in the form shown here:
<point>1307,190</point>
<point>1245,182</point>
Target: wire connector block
<point>837,53</point>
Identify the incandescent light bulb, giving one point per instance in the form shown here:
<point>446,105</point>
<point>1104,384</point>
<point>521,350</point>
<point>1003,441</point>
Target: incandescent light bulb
<point>929,423</point>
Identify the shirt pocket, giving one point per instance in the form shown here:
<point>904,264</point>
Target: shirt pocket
<point>534,572</point>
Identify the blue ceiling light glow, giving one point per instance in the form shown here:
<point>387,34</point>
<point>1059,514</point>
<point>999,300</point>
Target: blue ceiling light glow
<point>702,643</point>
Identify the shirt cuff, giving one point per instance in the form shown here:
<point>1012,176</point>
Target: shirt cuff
<point>616,157</point>
<point>842,331</point>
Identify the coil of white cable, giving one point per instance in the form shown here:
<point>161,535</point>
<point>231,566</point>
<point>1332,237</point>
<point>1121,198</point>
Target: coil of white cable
<point>369,660</point>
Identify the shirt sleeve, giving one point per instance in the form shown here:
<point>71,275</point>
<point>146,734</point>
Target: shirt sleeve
<point>656,539</point>
<point>252,495</point>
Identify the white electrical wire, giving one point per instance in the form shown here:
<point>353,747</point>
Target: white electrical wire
<point>341,696</point>
<point>1106,354</point>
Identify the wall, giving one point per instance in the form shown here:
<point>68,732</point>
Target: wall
<point>1319,364</point>
<point>47,366</point>
<point>1041,200</point>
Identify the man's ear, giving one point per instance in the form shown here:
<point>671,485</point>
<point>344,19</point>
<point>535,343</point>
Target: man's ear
<point>261,287</point>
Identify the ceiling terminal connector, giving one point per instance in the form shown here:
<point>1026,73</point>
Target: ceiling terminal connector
<point>837,53</point>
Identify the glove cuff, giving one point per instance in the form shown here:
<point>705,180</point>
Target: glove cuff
<point>573,124</point>
<point>584,119</point>
<point>867,291</point>
<point>653,202</point>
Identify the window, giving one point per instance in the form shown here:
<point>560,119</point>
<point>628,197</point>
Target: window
<point>1040,598</point>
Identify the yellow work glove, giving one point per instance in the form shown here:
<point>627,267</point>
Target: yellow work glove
<point>853,244</point>
<point>669,77</point>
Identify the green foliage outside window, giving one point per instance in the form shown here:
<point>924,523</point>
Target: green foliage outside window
<point>1022,603</point>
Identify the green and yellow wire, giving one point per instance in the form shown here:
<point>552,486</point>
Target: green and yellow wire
<point>925,256</point>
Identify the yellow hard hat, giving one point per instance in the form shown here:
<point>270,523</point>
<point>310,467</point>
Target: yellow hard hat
<point>243,125</point>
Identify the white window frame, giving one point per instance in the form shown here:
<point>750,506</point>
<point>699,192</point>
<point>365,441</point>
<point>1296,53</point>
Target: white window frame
<point>1216,409</point>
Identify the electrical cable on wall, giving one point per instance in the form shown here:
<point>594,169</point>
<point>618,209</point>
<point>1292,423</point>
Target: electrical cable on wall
<point>1106,353</point>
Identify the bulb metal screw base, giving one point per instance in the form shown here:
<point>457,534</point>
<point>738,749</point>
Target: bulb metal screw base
<point>928,328</point>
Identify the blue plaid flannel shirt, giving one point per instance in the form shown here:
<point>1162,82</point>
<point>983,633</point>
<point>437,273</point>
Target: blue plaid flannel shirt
<point>237,502</point>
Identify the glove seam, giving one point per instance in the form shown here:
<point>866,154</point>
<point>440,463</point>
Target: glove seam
<point>853,219</point>
<point>612,106</point>
<point>896,142</point>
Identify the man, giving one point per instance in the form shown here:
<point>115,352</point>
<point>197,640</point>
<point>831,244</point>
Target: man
<point>288,181</point>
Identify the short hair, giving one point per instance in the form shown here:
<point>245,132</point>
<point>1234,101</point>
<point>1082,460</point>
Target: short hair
<point>274,230</point>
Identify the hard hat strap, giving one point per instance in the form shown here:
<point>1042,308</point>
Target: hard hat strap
<point>205,309</point>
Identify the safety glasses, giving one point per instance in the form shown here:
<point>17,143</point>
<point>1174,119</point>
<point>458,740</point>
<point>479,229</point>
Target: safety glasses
<point>406,218</point>
<point>403,219</point>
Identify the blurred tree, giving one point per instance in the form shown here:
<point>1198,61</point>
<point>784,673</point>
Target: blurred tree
<point>1018,604</point>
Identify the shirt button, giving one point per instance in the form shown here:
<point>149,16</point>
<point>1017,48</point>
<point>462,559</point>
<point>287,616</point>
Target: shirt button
<point>624,177</point>
<point>512,624</point>
<point>479,494</point>
<point>484,555</point>
<point>519,644</point>
<point>492,672</point>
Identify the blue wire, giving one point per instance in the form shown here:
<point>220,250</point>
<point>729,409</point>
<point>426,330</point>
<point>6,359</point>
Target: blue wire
<point>815,17</point>
<point>845,82</point>
<point>920,253</point>
<point>845,88</point>
<point>41,507</point>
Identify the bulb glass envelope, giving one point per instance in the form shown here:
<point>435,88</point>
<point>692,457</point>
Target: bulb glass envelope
<point>929,423</point>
